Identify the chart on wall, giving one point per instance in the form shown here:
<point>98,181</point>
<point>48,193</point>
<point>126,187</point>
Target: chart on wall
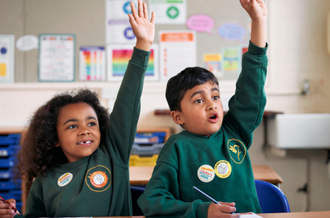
<point>92,63</point>
<point>56,57</point>
<point>118,28</point>
<point>7,58</point>
<point>169,11</point>
<point>117,61</point>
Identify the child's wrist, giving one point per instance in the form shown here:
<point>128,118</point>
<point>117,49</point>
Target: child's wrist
<point>143,45</point>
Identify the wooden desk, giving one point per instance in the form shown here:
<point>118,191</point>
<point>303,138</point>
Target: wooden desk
<point>316,214</point>
<point>141,175</point>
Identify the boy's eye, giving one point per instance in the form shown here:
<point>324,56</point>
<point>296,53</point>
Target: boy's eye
<point>216,97</point>
<point>199,101</point>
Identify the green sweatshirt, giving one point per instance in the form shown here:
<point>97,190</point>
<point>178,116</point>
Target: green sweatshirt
<point>97,185</point>
<point>219,164</point>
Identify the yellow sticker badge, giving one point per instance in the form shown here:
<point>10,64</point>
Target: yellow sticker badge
<point>205,173</point>
<point>223,169</point>
<point>64,179</point>
<point>98,178</point>
<point>236,150</point>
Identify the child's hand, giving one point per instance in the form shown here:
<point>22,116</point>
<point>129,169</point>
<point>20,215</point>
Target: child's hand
<point>6,211</point>
<point>143,29</point>
<point>255,8</point>
<point>222,211</point>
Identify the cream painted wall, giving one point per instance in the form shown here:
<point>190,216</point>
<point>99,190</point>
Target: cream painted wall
<point>297,51</point>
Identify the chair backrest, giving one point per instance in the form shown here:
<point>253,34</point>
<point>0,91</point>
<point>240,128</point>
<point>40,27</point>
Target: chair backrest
<point>136,192</point>
<point>271,198</point>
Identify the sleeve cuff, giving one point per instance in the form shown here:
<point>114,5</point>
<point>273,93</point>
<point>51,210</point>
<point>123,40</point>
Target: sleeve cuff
<point>140,57</point>
<point>256,50</point>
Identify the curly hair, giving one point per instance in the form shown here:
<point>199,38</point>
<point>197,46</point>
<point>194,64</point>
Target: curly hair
<point>38,153</point>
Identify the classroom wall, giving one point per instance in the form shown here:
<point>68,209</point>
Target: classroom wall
<point>297,51</point>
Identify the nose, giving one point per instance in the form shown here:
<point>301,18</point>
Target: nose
<point>84,131</point>
<point>211,105</point>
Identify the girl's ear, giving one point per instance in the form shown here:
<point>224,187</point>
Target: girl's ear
<point>57,144</point>
<point>177,117</point>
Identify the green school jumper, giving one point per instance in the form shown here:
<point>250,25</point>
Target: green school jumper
<point>97,185</point>
<point>219,164</point>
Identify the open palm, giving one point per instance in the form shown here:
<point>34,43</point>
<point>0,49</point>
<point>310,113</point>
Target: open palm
<point>255,8</point>
<point>143,28</point>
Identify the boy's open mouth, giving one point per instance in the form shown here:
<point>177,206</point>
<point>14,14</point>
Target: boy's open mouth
<point>214,118</point>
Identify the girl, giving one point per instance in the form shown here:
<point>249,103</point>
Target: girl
<point>74,160</point>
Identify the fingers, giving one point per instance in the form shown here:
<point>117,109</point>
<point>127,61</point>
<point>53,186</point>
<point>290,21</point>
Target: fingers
<point>227,209</point>
<point>145,11</point>
<point>140,8</point>
<point>132,20</point>
<point>231,204</point>
<point>134,12</point>
<point>152,20</point>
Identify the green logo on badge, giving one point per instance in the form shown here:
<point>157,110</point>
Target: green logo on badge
<point>172,12</point>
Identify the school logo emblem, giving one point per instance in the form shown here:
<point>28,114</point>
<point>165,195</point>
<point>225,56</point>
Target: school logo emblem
<point>236,150</point>
<point>98,178</point>
<point>205,173</point>
<point>64,179</point>
<point>223,169</point>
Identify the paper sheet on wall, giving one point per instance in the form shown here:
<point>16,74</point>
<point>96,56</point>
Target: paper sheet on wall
<point>177,51</point>
<point>92,63</point>
<point>169,11</point>
<point>118,28</point>
<point>7,58</point>
<point>56,57</point>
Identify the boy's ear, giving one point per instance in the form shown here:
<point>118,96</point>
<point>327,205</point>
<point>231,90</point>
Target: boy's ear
<point>177,117</point>
<point>57,144</point>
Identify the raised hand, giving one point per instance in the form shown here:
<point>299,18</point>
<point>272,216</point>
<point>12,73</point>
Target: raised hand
<point>255,8</point>
<point>143,29</point>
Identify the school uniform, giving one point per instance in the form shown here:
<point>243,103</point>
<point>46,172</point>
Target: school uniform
<point>219,164</point>
<point>97,185</point>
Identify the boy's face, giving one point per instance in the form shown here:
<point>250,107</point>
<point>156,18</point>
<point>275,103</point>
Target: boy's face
<point>201,110</point>
<point>78,131</point>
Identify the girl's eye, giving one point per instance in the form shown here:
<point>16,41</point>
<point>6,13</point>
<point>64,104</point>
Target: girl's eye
<point>72,127</point>
<point>92,124</point>
<point>216,97</point>
<point>199,101</point>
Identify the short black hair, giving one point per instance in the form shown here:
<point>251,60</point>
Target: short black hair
<point>186,79</point>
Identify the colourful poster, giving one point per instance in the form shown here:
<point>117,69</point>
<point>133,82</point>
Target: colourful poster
<point>57,57</point>
<point>177,51</point>
<point>92,63</point>
<point>118,57</point>
<point>7,58</point>
<point>212,62</point>
<point>169,11</point>
<point>231,59</point>
<point>200,23</point>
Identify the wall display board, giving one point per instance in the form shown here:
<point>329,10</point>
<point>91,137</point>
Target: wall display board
<point>7,50</point>
<point>118,57</point>
<point>56,57</point>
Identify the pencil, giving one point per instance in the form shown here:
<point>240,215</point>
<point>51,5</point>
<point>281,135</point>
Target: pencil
<point>207,196</point>
<point>6,202</point>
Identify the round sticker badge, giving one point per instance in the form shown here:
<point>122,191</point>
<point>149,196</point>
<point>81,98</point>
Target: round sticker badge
<point>205,173</point>
<point>64,179</point>
<point>98,178</point>
<point>223,169</point>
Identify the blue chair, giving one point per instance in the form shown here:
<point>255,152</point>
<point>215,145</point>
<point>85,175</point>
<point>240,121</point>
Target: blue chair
<point>136,192</point>
<point>271,198</point>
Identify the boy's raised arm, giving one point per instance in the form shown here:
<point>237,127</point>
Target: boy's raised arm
<point>257,12</point>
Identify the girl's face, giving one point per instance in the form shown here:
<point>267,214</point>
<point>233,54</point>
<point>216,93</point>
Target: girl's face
<point>78,131</point>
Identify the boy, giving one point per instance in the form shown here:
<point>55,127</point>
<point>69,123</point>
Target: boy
<point>211,153</point>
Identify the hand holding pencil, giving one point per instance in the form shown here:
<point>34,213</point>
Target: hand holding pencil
<point>8,208</point>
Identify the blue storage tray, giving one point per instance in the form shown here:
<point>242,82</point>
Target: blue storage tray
<point>6,174</point>
<point>149,137</point>
<point>15,194</point>
<point>10,184</point>
<point>7,162</point>
<point>19,206</point>
<point>10,139</point>
<point>9,151</point>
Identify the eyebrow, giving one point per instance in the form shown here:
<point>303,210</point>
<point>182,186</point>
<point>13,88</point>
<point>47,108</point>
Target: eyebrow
<point>75,120</point>
<point>199,92</point>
